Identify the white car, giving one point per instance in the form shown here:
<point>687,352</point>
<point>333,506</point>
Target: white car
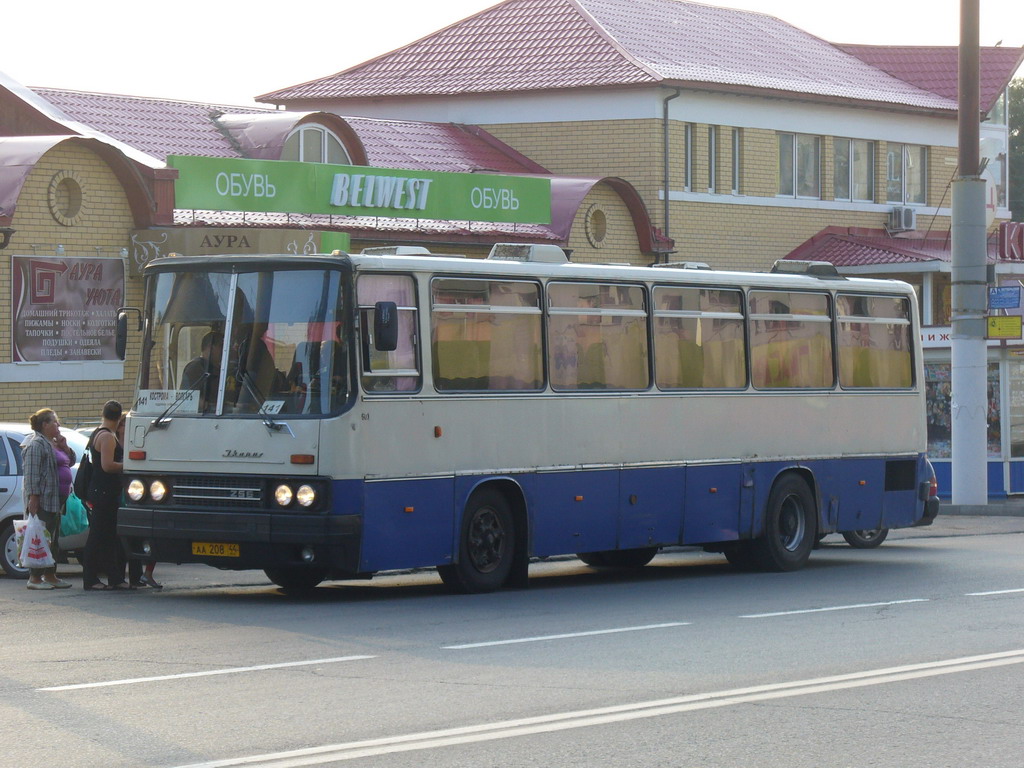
<point>12,502</point>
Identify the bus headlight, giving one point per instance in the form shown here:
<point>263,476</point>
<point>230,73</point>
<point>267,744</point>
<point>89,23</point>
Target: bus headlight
<point>136,490</point>
<point>157,490</point>
<point>283,495</point>
<point>305,495</point>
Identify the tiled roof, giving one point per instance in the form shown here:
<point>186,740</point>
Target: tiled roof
<point>158,127</point>
<point>162,127</point>
<point>935,68</point>
<point>861,247</point>
<point>524,45</point>
<point>369,226</point>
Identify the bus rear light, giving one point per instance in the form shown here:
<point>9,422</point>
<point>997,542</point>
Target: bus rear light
<point>302,458</point>
<point>137,455</point>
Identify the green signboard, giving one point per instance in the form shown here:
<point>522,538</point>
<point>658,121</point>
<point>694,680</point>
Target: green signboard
<point>275,186</point>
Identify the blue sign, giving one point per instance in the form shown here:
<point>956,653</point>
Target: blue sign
<point>1004,297</point>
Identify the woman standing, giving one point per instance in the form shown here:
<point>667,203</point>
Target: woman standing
<point>103,553</point>
<point>43,488</point>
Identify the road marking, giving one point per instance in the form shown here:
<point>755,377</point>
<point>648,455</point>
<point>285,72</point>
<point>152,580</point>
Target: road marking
<point>994,592</point>
<point>563,721</point>
<point>565,636</point>
<point>834,608</point>
<point>208,673</point>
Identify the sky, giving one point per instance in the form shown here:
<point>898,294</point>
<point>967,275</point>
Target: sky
<point>228,53</point>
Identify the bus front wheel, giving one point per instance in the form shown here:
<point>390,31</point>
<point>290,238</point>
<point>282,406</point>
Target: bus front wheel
<point>486,545</point>
<point>791,527</point>
<point>295,579</point>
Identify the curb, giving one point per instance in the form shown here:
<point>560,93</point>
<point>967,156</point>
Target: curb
<point>995,508</point>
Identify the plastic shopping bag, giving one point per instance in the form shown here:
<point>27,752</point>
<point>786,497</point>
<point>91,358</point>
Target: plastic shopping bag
<point>74,520</point>
<point>35,549</point>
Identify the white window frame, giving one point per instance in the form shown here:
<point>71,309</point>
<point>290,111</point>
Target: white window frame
<point>688,157</point>
<point>737,158</point>
<point>326,134</point>
<point>904,169</point>
<point>851,143</point>
<point>712,157</point>
<point>795,171</point>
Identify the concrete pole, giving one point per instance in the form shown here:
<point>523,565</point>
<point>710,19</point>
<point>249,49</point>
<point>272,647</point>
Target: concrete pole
<point>970,285</point>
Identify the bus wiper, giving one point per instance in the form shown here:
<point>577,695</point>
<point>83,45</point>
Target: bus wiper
<point>254,391</point>
<point>161,421</point>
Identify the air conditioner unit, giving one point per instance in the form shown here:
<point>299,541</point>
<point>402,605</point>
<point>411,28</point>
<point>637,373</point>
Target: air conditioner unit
<point>902,219</point>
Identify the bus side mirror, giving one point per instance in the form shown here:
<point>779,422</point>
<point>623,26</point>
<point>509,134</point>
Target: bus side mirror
<point>385,326</point>
<point>121,331</point>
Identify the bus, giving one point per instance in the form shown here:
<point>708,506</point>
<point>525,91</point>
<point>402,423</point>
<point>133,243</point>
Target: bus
<point>334,416</point>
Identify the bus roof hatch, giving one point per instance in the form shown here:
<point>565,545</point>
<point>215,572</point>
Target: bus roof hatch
<point>544,253</point>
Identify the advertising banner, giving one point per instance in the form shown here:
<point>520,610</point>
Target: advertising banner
<point>276,186</point>
<point>65,309</point>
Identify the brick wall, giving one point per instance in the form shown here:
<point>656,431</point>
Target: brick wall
<point>104,223</point>
<point>727,235</point>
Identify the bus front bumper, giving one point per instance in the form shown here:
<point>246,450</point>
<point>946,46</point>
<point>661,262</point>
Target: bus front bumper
<point>242,540</point>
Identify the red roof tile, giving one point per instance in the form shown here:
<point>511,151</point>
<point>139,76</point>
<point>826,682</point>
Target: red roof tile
<point>935,68</point>
<point>162,127</point>
<point>524,45</point>
<point>860,247</point>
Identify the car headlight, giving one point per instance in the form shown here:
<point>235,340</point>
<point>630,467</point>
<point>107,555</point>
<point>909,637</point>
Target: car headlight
<point>136,490</point>
<point>305,495</point>
<point>283,495</point>
<point>157,490</point>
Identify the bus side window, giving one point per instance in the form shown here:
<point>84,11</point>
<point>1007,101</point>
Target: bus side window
<point>389,370</point>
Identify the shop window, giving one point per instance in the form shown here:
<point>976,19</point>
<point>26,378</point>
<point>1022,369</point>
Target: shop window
<point>854,177</point>
<point>799,165</point>
<point>906,174</point>
<point>938,391</point>
<point>313,143</point>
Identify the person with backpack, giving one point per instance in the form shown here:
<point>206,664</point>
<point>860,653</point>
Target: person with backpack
<point>103,553</point>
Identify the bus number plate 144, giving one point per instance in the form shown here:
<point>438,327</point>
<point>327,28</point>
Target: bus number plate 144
<point>214,549</point>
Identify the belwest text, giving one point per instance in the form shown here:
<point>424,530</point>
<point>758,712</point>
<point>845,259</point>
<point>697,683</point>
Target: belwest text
<point>356,189</point>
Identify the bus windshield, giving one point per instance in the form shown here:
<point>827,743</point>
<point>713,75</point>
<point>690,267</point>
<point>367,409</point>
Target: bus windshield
<point>260,343</point>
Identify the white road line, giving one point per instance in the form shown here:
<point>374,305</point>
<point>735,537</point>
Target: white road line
<point>563,721</point>
<point>994,592</point>
<point>567,635</point>
<point>208,673</point>
<point>833,608</point>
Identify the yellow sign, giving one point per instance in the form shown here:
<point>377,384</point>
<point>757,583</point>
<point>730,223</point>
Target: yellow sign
<point>1008,327</point>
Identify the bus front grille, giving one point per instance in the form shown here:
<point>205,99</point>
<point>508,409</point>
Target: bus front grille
<point>218,491</point>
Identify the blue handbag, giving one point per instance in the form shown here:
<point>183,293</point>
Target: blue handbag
<point>74,520</point>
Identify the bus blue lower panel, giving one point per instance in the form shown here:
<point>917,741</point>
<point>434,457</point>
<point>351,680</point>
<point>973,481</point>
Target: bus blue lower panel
<point>416,522</point>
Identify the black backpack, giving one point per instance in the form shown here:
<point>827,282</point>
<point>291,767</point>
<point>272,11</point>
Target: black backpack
<point>83,477</point>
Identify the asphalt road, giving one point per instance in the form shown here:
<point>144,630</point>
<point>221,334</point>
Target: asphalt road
<point>908,655</point>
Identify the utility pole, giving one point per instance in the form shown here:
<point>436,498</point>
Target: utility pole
<point>969,405</point>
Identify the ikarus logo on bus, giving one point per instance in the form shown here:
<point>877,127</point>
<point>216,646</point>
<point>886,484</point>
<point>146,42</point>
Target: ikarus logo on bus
<point>231,453</point>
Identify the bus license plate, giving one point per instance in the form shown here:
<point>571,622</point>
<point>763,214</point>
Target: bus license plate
<point>214,549</point>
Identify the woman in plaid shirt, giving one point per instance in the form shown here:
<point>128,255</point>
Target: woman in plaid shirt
<point>41,485</point>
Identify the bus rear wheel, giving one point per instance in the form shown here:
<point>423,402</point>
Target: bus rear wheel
<point>619,558</point>
<point>295,579</point>
<point>791,527</point>
<point>866,539</point>
<point>486,545</point>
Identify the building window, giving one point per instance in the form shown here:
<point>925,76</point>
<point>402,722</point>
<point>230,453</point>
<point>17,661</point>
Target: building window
<point>313,143</point>
<point>799,165</point>
<point>854,170</point>
<point>906,174</point>
<point>712,152</point>
<point>688,157</point>
<point>737,158</point>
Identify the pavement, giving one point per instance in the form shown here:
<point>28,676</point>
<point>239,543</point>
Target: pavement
<point>1008,506</point>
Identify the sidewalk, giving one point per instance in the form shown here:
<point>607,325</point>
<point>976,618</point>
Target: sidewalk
<point>1011,506</point>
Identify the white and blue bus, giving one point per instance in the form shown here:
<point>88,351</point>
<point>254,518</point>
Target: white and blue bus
<point>333,416</point>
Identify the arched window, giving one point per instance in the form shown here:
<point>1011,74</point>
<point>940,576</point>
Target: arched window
<point>313,143</point>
